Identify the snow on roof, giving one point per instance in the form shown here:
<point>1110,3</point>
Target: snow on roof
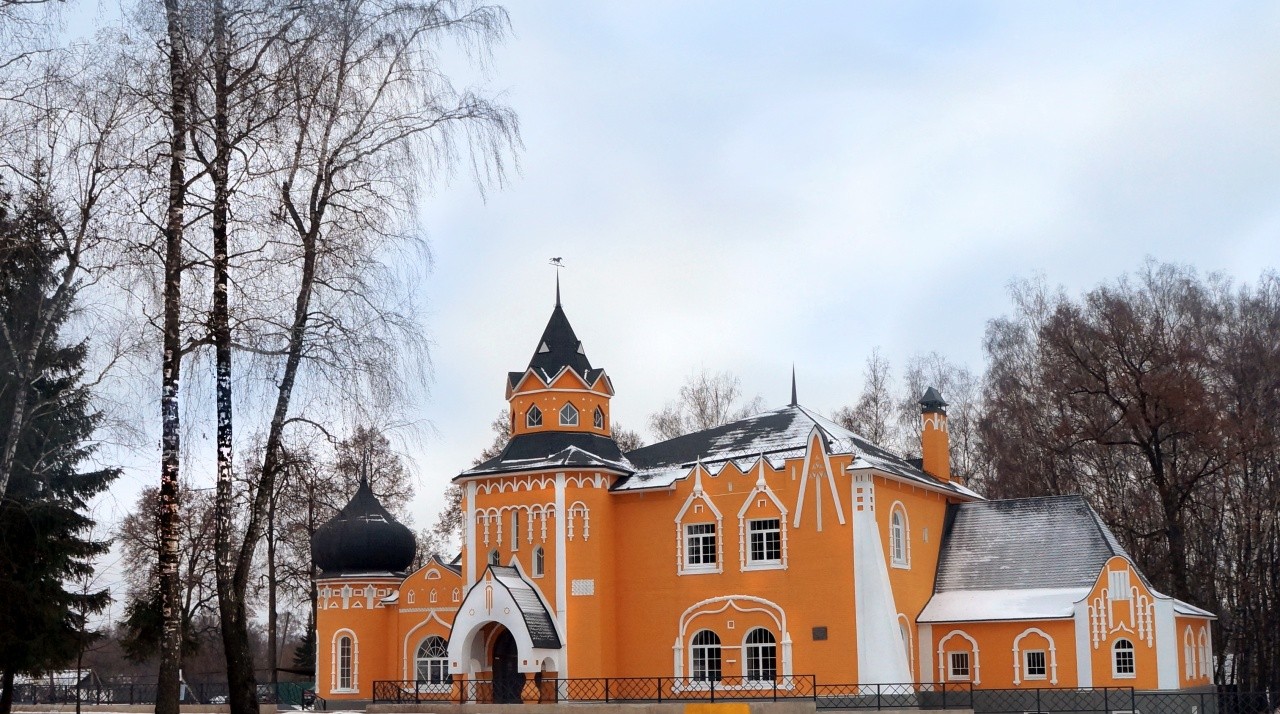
<point>777,435</point>
<point>1004,604</point>
<point>536,618</point>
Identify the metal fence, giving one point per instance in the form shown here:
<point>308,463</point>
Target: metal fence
<point>941,696</point>
<point>610,689</point>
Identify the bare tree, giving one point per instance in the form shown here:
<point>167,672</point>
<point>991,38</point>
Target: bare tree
<point>706,400</point>
<point>874,415</point>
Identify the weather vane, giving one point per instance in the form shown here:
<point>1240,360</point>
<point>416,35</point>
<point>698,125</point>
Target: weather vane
<point>559,264</point>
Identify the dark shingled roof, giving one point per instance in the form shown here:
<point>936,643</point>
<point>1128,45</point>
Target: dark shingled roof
<point>536,618</point>
<point>783,432</point>
<point>559,348</point>
<point>1047,542</point>
<point>932,401</point>
<point>564,448</point>
<point>363,538</point>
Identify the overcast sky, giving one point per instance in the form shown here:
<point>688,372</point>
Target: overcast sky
<point>742,186</point>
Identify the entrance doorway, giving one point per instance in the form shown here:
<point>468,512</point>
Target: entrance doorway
<point>507,679</point>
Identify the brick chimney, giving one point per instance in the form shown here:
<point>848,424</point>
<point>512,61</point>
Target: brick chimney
<point>935,445</point>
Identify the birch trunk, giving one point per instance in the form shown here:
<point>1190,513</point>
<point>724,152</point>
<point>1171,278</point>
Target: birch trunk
<point>167,685</point>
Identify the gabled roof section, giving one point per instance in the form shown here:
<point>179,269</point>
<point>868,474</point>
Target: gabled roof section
<point>554,449</point>
<point>781,433</point>
<point>559,348</point>
<point>536,618</point>
<point>1018,544</point>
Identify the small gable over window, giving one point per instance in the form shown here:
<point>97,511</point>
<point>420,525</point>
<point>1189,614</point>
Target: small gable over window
<point>569,415</point>
<point>533,418</point>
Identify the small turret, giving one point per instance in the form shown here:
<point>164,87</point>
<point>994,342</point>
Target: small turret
<point>935,444</point>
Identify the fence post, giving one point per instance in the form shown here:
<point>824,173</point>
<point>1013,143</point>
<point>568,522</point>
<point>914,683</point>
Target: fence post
<point>659,681</point>
<point>879,706</point>
<point>1038,709</point>
<point>944,695</point>
<point>606,690</point>
<point>775,688</point>
<point>713,689</point>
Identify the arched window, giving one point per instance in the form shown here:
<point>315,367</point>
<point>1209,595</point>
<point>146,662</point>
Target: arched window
<point>494,558</point>
<point>539,562</point>
<point>568,415</point>
<point>762,655</point>
<point>1206,656</point>
<point>346,663</point>
<point>515,530</point>
<point>598,419</point>
<point>433,661</point>
<point>533,417</point>
<point>1188,654</point>
<point>899,553</point>
<point>1122,662</point>
<point>457,594</point>
<point>432,598</point>
<point>704,656</point>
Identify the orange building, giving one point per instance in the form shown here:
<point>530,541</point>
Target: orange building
<point>782,544</point>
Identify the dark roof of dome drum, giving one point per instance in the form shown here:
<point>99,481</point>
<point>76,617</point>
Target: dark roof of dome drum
<point>363,538</point>
<point>559,347</point>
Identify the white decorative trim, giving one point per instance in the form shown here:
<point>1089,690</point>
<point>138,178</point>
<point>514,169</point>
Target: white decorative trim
<point>580,510</point>
<point>903,563</point>
<point>562,582</point>
<point>703,607</point>
<point>698,495</point>
<point>431,616</point>
<point>761,488</point>
<point>944,670</point>
<point>904,625</point>
<point>1206,653</point>
<point>335,664</point>
<point>1017,658</point>
<point>815,469</point>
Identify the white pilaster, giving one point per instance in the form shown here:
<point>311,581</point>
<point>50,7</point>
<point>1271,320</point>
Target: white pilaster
<point>1166,645</point>
<point>1084,646</point>
<point>924,645</point>
<point>881,657</point>
<point>469,533</point>
<point>562,559</point>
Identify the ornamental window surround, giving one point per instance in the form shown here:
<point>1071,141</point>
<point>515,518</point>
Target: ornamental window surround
<point>1123,664</point>
<point>345,653</point>
<point>568,415</point>
<point>704,657</point>
<point>899,536</point>
<point>533,417</point>
<point>699,545</point>
<point>539,562</point>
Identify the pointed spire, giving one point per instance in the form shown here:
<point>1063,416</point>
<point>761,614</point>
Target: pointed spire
<point>557,288</point>
<point>760,484</point>
<point>364,469</point>
<point>794,402</point>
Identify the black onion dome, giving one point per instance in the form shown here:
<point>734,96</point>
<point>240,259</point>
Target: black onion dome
<point>363,538</point>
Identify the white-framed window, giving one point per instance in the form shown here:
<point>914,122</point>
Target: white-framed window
<point>568,415</point>
<point>346,663</point>
<point>764,541</point>
<point>1188,654</point>
<point>457,594</point>
<point>433,661</point>
<point>494,557</point>
<point>598,418</point>
<point>539,562</point>
<point>761,655</point>
<point>533,417</point>
<point>1035,664</point>
<point>958,666</point>
<point>1206,655</point>
<point>704,656</point>
<point>1123,665</point>
<point>515,530</point>
<point>432,596</point>
<point>899,548</point>
<point>700,546</point>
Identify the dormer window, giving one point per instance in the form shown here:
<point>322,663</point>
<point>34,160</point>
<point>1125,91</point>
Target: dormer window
<point>533,418</point>
<point>569,415</point>
<point>599,418</point>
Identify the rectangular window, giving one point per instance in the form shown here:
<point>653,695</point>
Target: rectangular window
<point>1118,584</point>
<point>1124,662</point>
<point>700,545</point>
<point>959,666</point>
<point>765,541</point>
<point>1035,664</point>
<point>515,530</point>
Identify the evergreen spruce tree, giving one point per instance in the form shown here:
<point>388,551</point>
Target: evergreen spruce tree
<point>45,533</point>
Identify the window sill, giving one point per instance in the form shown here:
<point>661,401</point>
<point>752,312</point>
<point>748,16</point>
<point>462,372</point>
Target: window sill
<point>902,565</point>
<point>344,691</point>
<point>764,565</point>
<point>701,570</point>
<point>1124,676</point>
<point>954,678</point>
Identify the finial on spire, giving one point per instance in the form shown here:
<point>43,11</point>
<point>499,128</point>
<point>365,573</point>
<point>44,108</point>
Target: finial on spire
<point>364,468</point>
<point>559,263</point>
<point>794,402</point>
